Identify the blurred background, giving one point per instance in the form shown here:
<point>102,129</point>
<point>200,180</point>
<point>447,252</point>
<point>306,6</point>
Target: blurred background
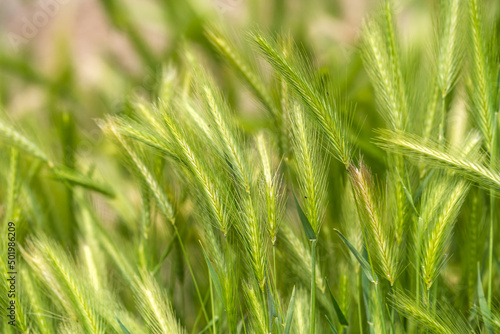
<point>87,58</point>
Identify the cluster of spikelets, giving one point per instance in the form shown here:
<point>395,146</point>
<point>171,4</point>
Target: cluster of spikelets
<point>249,214</point>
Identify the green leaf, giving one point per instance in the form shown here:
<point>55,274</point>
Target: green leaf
<point>338,311</point>
<point>424,184</point>
<point>271,307</point>
<point>305,222</point>
<point>408,195</point>
<point>289,313</point>
<point>277,324</point>
<point>213,275</point>
<point>122,326</point>
<point>362,261</point>
<point>74,177</point>
<point>485,311</point>
<point>334,331</point>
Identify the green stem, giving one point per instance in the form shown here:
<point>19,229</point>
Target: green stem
<point>381,307</point>
<point>490,250</point>
<point>212,301</point>
<point>274,266</point>
<point>442,124</point>
<point>198,315</point>
<point>360,277</point>
<point>390,311</point>
<point>417,263</point>
<point>146,223</point>
<point>266,312</point>
<point>369,258</point>
<point>243,320</point>
<point>428,299</point>
<point>188,264</point>
<point>313,288</point>
<point>275,286</point>
<point>493,157</point>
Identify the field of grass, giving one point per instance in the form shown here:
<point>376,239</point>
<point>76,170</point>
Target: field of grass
<point>252,167</point>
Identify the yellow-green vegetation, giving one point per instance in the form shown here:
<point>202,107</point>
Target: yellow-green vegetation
<point>262,181</point>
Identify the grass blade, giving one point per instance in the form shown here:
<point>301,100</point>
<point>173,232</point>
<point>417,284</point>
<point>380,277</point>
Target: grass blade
<point>362,261</point>
<point>122,326</point>
<point>289,313</point>
<point>332,328</point>
<point>305,222</point>
<point>214,276</point>
<point>483,304</point>
<point>76,178</point>
<point>338,311</point>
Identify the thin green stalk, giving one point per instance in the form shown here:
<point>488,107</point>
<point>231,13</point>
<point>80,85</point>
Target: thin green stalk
<point>264,303</point>
<point>442,101</point>
<point>198,316</point>
<point>419,238</point>
<point>243,320</point>
<point>146,222</point>
<point>313,288</point>
<point>381,302</point>
<point>368,252</point>
<point>490,246</point>
<point>212,302</point>
<point>434,297</point>
<point>275,284</point>
<point>188,264</point>
<point>492,212</point>
<point>373,274</point>
<point>121,19</point>
<point>428,299</point>
<point>360,314</point>
<point>391,311</point>
<point>274,266</point>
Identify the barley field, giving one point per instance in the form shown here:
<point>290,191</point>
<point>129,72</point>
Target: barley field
<point>249,166</point>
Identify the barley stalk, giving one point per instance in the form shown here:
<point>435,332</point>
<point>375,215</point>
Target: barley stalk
<point>372,221</point>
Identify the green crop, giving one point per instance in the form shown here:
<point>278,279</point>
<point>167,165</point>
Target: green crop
<point>260,181</point>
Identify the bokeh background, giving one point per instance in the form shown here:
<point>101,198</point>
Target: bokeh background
<point>87,58</point>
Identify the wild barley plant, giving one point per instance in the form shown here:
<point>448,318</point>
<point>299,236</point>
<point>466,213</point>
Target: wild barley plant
<point>290,221</point>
